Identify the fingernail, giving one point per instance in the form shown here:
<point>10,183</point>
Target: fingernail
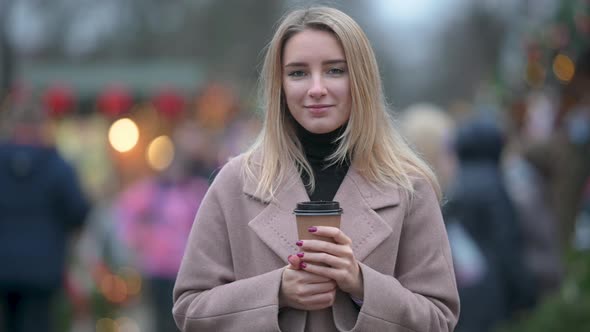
<point>302,265</point>
<point>289,256</point>
<point>300,254</point>
<point>299,243</point>
<point>312,229</point>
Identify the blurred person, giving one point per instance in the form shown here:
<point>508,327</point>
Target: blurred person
<point>432,133</point>
<point>41,206</point>
<point>155,217</point>
<point>430,130</point>
<point>326,135</point>
<point>498,285</point>
<point>529,191</point>
<point>564,159</point>
<point>238,136</point>
<point>582,229</point>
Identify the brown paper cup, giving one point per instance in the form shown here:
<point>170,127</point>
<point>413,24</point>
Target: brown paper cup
<point>316,213</point>
<point>304,222</point>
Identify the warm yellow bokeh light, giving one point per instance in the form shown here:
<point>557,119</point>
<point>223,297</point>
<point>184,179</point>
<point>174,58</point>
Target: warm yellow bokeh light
<point>106,325</point>
<point>127,325</point>
<point>123,135</point>
<point>160,153</point>
<point>563,68</point>
<point>113,288</point>
<point>133,280</point>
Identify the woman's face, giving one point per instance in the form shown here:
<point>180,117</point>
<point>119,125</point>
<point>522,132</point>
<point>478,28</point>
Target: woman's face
<point>315,81</point>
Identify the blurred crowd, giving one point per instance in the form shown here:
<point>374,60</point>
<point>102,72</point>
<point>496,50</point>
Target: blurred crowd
<point>92,231</point>
<point>516,182</point>
<point>94,219</point>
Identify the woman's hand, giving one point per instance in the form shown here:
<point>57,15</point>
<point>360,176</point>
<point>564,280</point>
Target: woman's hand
<point>339,263</point>
<point>303,290</point>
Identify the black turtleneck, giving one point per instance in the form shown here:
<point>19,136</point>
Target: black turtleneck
<point>317,147</point>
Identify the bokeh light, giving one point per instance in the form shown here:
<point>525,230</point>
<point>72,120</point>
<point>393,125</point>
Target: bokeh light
<point>535,74</point>
<point>160,153</point>
<point>106,325</point>
<point>123,135</point>
<point>132,279</point>
<point>113,288</point>
<point>563,68</point>
<point>126,324</point>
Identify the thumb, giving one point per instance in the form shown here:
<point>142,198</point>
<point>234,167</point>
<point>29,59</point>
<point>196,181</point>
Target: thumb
<point>294,262</point>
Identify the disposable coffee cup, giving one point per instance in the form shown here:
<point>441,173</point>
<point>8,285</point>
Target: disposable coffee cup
<point>316,213</point>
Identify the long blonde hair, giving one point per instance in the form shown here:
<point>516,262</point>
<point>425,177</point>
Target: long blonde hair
<point>370,140</point>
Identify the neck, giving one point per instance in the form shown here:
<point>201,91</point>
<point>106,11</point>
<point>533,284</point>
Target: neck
<point>318,146</point>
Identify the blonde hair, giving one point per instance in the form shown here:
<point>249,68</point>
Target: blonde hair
<point>427,128</point>
<point>430,130</point>
<point>370,140</point>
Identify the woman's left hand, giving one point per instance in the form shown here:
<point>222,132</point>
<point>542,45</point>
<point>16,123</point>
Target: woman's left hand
<point>340,263</point>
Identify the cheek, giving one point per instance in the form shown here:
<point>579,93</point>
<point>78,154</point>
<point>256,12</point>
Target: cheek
<point>292,92</point>
<point>343,91</point>
<point>346,97</point>
<point>295,101</point>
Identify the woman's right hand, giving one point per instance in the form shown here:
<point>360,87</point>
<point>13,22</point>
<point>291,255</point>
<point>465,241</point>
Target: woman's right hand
<point>303,290</point>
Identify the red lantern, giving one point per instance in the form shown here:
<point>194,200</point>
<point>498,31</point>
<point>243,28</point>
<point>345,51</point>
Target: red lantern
<point>58,100</point>
<point>169,103</point>
<point>114,101</point>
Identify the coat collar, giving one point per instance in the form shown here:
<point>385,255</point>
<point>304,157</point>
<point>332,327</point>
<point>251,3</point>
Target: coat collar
<point>275,225</point>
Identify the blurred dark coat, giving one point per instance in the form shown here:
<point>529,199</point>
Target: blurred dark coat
<point>40,203</point>
<point>480,203</point>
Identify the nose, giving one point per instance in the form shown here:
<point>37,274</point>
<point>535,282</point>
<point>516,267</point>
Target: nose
<point>318,88</point>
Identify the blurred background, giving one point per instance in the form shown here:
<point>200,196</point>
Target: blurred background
<point>145,99</point>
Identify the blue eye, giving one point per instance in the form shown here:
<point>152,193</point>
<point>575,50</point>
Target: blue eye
<point>296,73</point>
<point>336,71</point>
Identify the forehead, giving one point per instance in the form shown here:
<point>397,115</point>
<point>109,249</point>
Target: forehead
<point>311,44</point>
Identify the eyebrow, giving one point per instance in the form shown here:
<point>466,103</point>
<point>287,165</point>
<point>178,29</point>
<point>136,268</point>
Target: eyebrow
<point>327,62</point>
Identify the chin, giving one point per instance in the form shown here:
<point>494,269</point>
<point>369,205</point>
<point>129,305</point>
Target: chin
<point>319,129</point>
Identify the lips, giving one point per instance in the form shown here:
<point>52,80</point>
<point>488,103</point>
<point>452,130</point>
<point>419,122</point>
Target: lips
<point>318,108</point>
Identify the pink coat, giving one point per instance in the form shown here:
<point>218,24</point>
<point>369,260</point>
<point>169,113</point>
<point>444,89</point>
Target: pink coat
<point>231,272</point>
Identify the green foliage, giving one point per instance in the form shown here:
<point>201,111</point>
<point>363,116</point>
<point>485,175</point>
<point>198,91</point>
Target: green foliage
<point>568,310</point>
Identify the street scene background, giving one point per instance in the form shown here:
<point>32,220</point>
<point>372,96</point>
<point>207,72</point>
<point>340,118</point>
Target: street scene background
<point>147,99</point>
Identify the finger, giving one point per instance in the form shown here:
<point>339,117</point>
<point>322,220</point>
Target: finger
<point>331,232</point>
<point>320,258</point>
<point>318,288</point>
<point>294,262</point>
<point>311,278</point>
<point>297,274</point>
<point>318,301</point>
<point>338,250</point>
<point>323,271</point>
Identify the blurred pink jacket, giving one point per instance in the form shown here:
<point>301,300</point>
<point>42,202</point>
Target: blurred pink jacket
<point>155,219</point>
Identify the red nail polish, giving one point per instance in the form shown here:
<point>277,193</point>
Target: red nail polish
<point>300,254</point>
<point>299,243</point>
<point>312,229</point>
<point>302,265</point>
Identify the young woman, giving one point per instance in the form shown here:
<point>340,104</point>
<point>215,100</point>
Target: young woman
<point>327,135</point>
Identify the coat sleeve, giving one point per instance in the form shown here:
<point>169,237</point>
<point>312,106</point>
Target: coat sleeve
<point>422,294</point>
<point>207,296</point>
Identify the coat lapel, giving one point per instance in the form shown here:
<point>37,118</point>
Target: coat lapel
<point>360,221</point>
<point>276,227</point>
